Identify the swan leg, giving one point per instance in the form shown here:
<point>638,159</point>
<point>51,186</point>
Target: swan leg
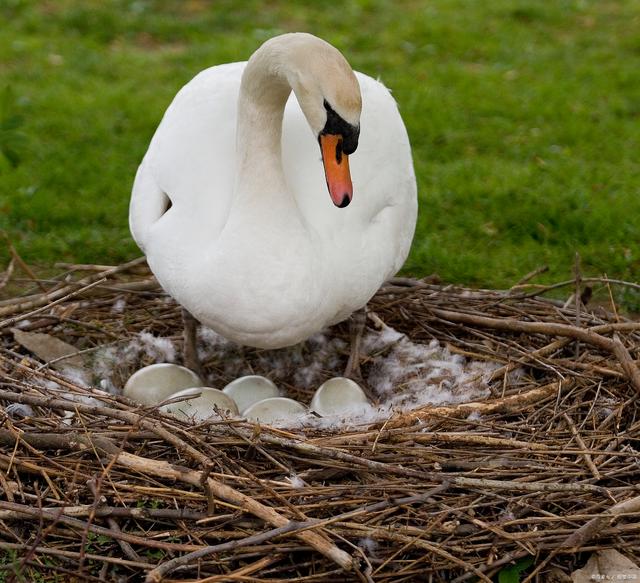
<point>357,324</point>
<point>352,370</point>
<point>190,345</point>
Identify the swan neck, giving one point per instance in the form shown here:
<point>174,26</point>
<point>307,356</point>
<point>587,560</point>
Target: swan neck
<point>264,91</point>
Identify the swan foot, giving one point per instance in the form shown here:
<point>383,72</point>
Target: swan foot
<point>190,345</point>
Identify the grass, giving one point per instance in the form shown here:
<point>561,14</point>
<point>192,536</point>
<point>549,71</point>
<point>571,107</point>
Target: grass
<point>523,116</point>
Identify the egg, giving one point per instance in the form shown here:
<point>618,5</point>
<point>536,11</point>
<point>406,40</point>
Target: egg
<point>275,409</point>
<point>339,395</point>
<point>18,410</point>
<point>246,391</point>
<point>154,383</point>
<point>202,405</point>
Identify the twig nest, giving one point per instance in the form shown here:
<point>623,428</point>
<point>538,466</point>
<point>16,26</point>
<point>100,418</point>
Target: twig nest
<point>246,391</point>
<point>154,383</point>
<point>199,404</point>
<point>338,395</point>
<point>274,410</point>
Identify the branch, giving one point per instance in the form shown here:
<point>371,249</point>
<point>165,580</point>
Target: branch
<point>158,573</point>
<point>46,298</point>
<point>587,531</point>
<point>612,345</point>
<point>57,516</point>
<point>45,303</point>
<point>510,404</point>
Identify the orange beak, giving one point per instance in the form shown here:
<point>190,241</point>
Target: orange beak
<point>336,169</point>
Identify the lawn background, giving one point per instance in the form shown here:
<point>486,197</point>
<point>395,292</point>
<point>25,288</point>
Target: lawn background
<point>523,116</point>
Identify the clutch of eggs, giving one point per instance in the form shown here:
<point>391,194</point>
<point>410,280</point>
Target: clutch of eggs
<point>255,397</point>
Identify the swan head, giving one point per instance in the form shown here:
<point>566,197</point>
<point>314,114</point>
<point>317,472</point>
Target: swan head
<point>338,138</point>
<point>329,95</point>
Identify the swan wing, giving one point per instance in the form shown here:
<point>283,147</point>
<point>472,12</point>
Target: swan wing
<point>189,166</point>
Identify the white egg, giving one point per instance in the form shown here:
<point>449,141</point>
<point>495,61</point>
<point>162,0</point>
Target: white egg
<point>339,395</point>
<point>275,409</point>
<point>153,384</point>
<point>248,390</point>
<point>202,405</point>
<point>19,410</point>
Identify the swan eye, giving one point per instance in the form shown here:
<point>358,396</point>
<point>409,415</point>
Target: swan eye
<point>336,125</point>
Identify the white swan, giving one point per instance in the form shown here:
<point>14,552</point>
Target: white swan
<point>230,203</point>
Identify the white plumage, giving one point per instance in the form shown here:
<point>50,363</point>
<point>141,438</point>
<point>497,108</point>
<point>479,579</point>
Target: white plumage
<point>251,243</point>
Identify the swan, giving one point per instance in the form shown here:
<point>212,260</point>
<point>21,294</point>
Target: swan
<point>261,229</point>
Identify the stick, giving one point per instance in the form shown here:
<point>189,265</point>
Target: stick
<point>587,531</point>
<point>45,298</point>
<point>12,321</point>
<point>557,345</point>
<point>73,555</point>
<point>243,572</point>
<point>384,533</point>
<point>158,573</point>
<point>577,300</point>
<point>586,456</point>
<point>127,549</point>
<point>117,512</point>
<point>529,276</point>
<point>15,255</point>
<point>56,516</point>
<point>613,346</point>
<point>8,273</point>
<point>82,266</point>
<point>510,404</point>
<point>606,280</point>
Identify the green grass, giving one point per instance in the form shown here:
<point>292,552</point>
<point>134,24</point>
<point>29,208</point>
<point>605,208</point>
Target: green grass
<point>523,115</point>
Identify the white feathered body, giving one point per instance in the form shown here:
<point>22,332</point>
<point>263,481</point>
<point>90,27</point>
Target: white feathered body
<point>273,268</point>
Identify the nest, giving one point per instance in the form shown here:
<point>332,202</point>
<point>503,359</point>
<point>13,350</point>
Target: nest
<point>94,487</point>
